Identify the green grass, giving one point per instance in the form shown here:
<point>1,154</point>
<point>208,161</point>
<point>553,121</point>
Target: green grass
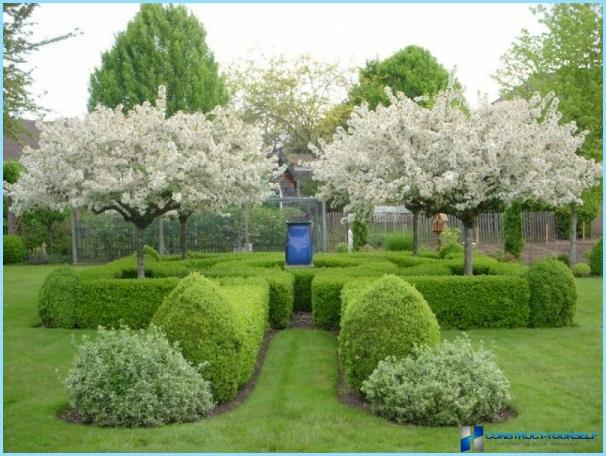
<point>556,377</point>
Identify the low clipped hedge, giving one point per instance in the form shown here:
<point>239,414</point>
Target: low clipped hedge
<point>388,318</point>
<point>58,298</point>
<point>553,294</point>
<point>459,302</point>
<point>221,326</point>
<point>112,303</point>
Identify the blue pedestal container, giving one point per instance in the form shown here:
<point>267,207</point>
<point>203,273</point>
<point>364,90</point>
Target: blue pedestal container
<point>299,250</point>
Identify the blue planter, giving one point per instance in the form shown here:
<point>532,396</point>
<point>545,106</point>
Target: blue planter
<point>299,250</point>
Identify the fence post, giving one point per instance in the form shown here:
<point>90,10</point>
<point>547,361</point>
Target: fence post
<point>324,239</point>
<point>546,232</point>
<point>74,228</point>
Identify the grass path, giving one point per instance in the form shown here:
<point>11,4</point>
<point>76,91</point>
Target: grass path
<point>555,375</point>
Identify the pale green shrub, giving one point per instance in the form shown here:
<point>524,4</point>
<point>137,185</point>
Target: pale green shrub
<point>135,378</point>
<point>450,384</point>
<point>450,236</point>
<point>581,270</point>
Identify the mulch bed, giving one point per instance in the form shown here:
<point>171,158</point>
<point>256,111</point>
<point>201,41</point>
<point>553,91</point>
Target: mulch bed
<point>302,320</point>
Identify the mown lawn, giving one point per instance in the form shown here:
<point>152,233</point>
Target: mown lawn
<point>556,377</point>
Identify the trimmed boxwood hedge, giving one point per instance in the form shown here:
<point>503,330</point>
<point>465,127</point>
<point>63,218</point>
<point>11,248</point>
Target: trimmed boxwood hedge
<point>115,302</point>
<point>13,249</point>
<point>221,326</point>
<point>466,302</point>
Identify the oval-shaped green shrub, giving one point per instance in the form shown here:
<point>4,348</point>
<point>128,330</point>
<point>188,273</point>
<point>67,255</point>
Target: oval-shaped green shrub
<point>197,315</point>
<point>387,319</point>
<point>553,294</point>
<point>445,385</point>
<point>595,258</point>
<point>581,270</point>
<point>14,249</point>
<point>58,298</point>
<point>451,250</point>
<point>135,378</point>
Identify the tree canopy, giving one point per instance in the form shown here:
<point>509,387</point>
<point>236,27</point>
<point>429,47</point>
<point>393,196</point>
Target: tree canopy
<point>17,38</point>
<point>565,59</point>
<point>160,46</point>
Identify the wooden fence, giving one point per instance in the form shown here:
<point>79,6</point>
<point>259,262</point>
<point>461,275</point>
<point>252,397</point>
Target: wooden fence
<point>537,226</point>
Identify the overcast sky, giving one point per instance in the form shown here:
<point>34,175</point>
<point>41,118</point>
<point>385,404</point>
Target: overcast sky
<point>470,37</point>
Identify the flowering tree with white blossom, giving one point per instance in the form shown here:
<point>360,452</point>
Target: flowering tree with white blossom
<point>463,162</point>
<point>143,165</point>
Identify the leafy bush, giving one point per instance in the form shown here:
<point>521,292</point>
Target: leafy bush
<point>375,240</point>
<point>360,234</point>
<point>451,250</point>
<point>341,247</point>
<point>151,252</point>
<point>135,378</point>
<point>58,298</point>
<point>387,318</point>
<point>221,326</point>
<point>595,258</point>
<point>512,230</point>
<point>398,242</point>
<point>447,385</point>
<point>11,171</point>
<point>563,258</point>
<point>553,294</point>
<point>581,270</point>
<point>115,302</point>
<point>450,236</point>
<point>14,249</point>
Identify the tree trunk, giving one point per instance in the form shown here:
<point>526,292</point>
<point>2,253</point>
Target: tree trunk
<point>468,225</point>
<point>572,255</point>
<point>183,223</point>
<point>74,236</point>
<point>161,244</point>
<point>140,252</point>
<point>246,229</point>
<point>415,232</point>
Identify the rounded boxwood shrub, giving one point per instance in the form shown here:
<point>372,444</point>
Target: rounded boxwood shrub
<point>553,294</point>
<point>198,316</point>
<point>14,249</point>
<point>151,252</point>
<point>58,298</point>
<point>447,385</point>
<point>398,242</point>
<point>387,319</point>
<point>451,250</point>
<point>595,258</point>
<point>135,378</point>
<point>581,270</point>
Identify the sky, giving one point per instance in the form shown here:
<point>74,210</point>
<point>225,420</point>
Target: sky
<point>469,37</point>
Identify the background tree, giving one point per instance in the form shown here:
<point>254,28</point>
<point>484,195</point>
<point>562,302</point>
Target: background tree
<point>287,98</point>
<point>566,59</point>
<point>17,38</point>
<point>412,71</point>
<point>160,46</point>
<point>140,165</point>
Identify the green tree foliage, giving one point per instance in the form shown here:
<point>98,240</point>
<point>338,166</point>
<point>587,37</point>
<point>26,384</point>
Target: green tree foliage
<point>565,59</point>
<point>512,230</point>
<point>18,44</point>
<point>412,70</point>
<point>161,46</point>
<point>11,171</point>
<point>288,98</point>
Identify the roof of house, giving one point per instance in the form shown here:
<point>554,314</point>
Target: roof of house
<point>13,149</point>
